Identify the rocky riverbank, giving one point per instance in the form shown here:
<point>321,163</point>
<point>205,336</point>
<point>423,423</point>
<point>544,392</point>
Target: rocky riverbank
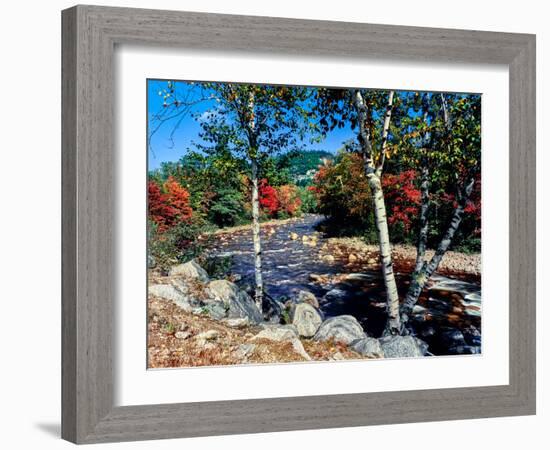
<point>356,252</point>
<point>196,321</point>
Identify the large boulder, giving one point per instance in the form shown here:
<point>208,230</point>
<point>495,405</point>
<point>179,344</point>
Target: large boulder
<point>190,270</point>
<point>343,329</point>
<point>368,346</point>
<point>221,291</point>
<point>238,303</point>
<point>243,306</point>
<point>169,292</point>
<point>402,347</point>
<point>306,319</point>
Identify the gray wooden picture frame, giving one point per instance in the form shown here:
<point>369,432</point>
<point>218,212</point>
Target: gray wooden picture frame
<point>90,34</point>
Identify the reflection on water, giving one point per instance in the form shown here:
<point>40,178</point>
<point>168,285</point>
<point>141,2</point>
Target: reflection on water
<point>447,317</point>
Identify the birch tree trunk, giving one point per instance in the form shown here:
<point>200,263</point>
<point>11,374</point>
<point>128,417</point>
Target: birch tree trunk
<point>393,325</point>
<point>424,206</point>
<point>373,173</point>
<point>259,291</point>
<point>253,156</point>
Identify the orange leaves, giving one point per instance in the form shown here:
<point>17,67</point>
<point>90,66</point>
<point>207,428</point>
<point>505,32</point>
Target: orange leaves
<point>289,199</point>
<point>178,198</point>
<point>168,206</point>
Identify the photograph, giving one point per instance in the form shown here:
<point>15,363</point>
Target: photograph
<point>297,223</point>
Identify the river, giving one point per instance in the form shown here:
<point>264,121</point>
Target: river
<point>447,317</point>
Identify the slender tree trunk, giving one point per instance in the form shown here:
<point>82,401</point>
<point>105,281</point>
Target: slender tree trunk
<point>259,291</point>
<point>421,278</point>
<point>393,325</point>
<point>373,173</point>
<point>253,155</point>
<point>424,206</point>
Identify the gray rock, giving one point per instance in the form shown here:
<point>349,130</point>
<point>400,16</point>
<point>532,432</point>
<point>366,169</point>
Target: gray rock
<point>169,292</point>
<point>190,270</point>
<point>307,297</point>
<point>239,322</point>
<point>243,306</point>
<point>343,329</point>
<point>209,335</point>
<point>402,347</point>
<point>238,303</point>
<point>306,319</point>
<point>245,350</point>
<point>217,310</point>
<point>277,334</point>
<point>182,335</point>
<point>221,291</point>
<point>369,347</point>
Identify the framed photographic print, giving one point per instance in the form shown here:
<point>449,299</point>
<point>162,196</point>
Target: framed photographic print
<point>278,224</point>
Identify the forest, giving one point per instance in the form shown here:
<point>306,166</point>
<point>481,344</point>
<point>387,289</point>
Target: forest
<point>406,174</point>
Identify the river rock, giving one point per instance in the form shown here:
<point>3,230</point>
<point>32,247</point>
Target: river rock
<point>293,236</point>
<point>238,303</point>
<point>343,329</point>
<point>328,258</point>
<point>306,319</point>
<point>307,297</point>
<point>169,292</point>
<point>369,347</point>
<point>190,270</point>
<point>352,258</point>
<point>243,306</point>
<point>221,291</point>
<point>402,347</point>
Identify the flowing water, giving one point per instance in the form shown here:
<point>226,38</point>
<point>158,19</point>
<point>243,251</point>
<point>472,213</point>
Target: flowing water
<point>447,317</point>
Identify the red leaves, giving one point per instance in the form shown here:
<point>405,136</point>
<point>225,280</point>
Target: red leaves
<point>168,206</point>
<point>282,199</point>
<point>268,198</point>
<point>402,197</point>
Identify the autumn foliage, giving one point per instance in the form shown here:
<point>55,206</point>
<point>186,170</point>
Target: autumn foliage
<point>168,204</point>
<point>269,201</point>
<point>402,198</point>
<point>289,199</point>
<point>280,201</point>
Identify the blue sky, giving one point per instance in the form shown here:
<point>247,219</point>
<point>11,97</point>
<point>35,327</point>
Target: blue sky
<point>175,137</point>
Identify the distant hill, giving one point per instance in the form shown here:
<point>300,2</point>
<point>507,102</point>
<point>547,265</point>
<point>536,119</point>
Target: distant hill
<point>303,165</point>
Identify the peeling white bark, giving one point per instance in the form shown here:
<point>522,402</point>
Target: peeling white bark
<point>373,174</point>
<point>259,291</point>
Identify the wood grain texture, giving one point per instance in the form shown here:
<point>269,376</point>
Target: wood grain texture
<point>89,37</point>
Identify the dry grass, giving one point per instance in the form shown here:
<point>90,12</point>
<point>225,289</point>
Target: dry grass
<point>165,350</point>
